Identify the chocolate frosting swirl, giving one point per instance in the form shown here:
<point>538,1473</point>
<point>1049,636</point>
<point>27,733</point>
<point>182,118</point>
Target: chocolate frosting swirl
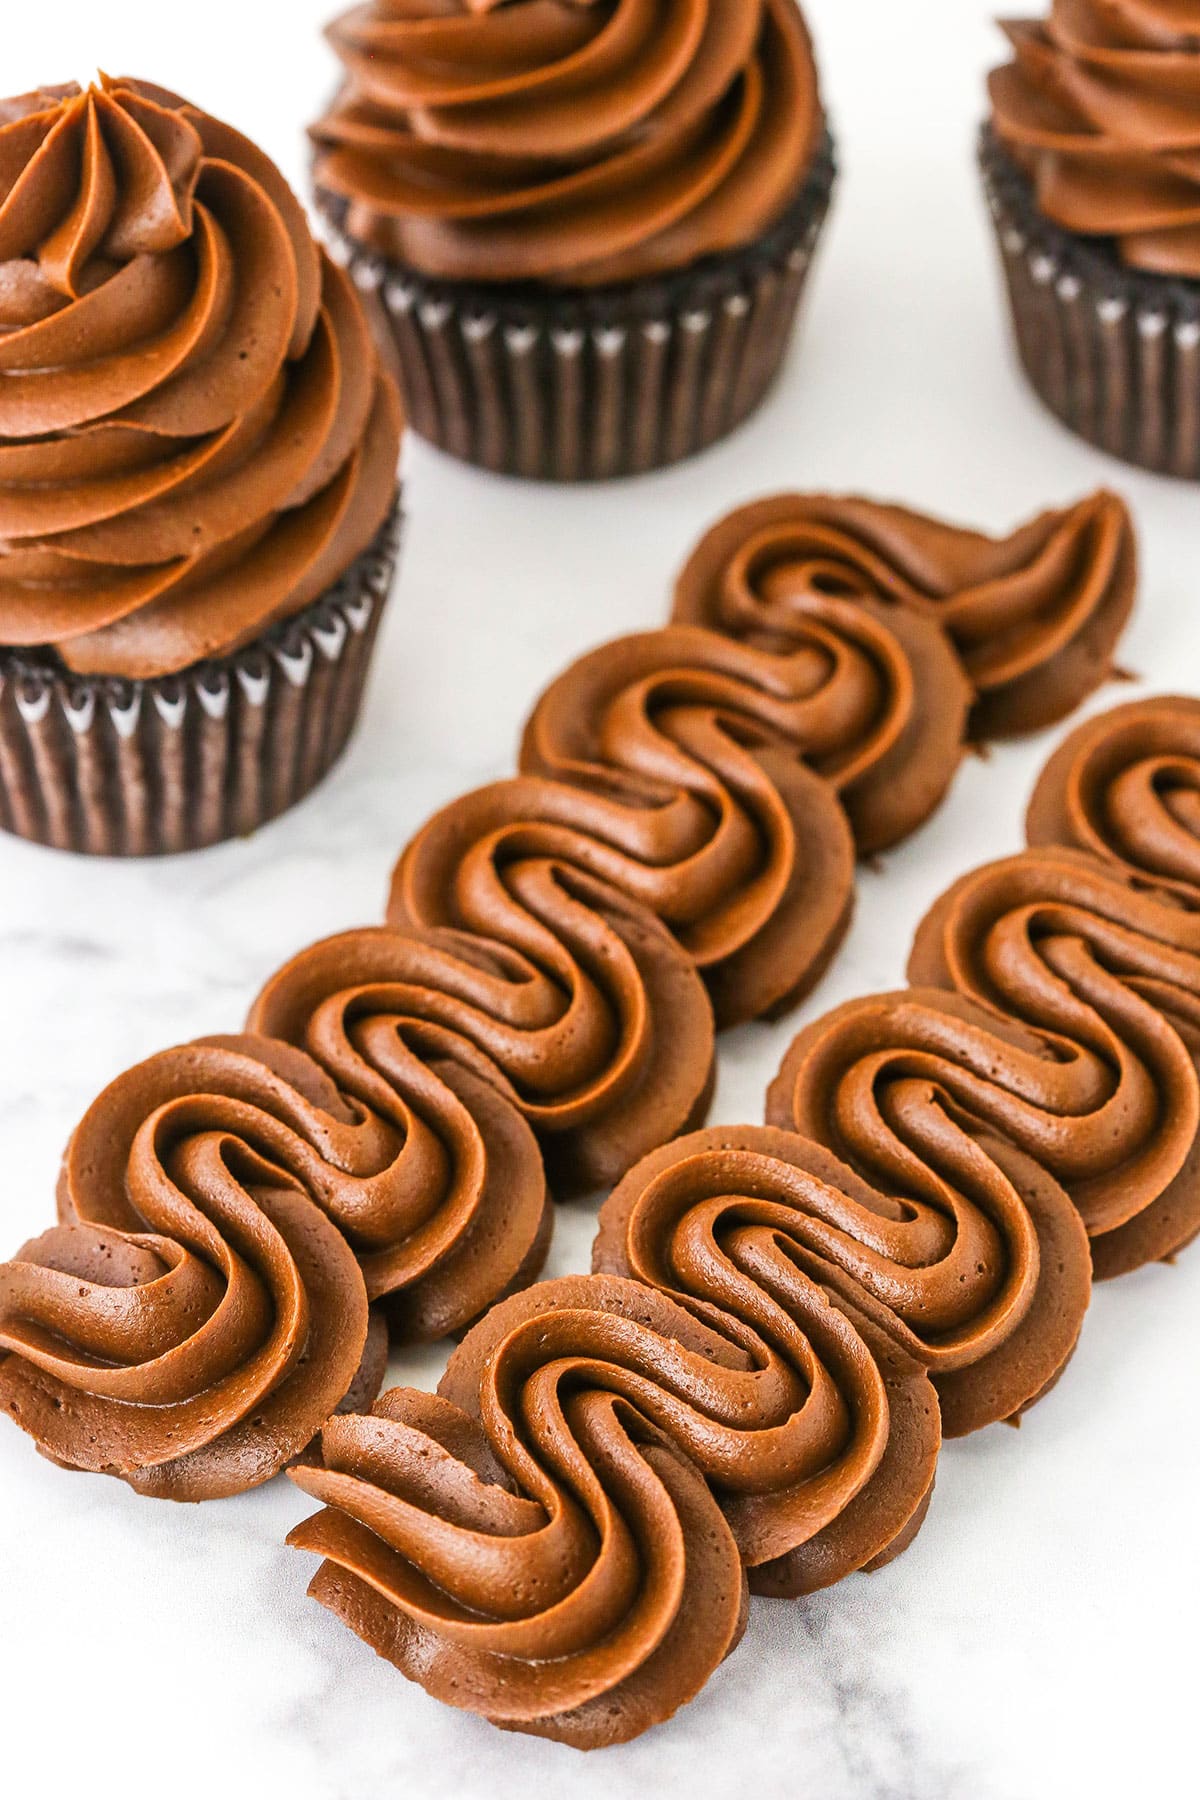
<point>1034,616</point>
<point>370,1139</point>
<point>1126,787</point>
<point>1107,1095</point>
<point>196,437</point>
<point>570,142</point>
<point>668,767</point>
<point>537,1010</point>
<point>196,1316</point>
<point>457,1212</point>
<point>1055,1006</point>
<point>974,1246</point>
<point>537,1545</point>
<point>873,701</point>
<point>1100,107</point>
<point>1055,1013</point>
<point>757,1234</point>
<point>907,1248</point>
<point>558,1543</point>
<point>572,1007</point>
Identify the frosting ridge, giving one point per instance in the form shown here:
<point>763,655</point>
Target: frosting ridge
<point>195,1316</point>
<point>196,438</point>
<point>1054,1004</point>
<point>533,1544</point>
<point>573,144</point>
<point>674,767</point>
<point>1034,616</point>
<point>1100,105</point>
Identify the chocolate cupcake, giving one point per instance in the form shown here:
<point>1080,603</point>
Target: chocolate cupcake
<point>1090,161</point>
<point>198,500</point>
<point>590,227</point>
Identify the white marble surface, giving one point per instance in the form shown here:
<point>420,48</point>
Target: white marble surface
<point>1035,1643</point>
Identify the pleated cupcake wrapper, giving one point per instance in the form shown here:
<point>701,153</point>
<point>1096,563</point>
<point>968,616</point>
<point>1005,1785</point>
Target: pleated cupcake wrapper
<point>593,387</point>
<point>122,768</point>
<point>1113,352</point>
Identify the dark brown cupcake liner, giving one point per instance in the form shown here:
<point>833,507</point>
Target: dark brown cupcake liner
<point>145,768</point>
<point>1114,352</point>
<point>586,386</point>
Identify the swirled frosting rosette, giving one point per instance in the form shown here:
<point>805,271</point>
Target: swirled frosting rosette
<point>536,1544</point>
<point>1107,977</point>
<point>874,702</point>
<point>572,144</point>
<point>196,1315</point>
<point>1034,616</point>
<point>761,1236</point>
<point>1091,161</point>
<point>719,787</point>
<point>1126,787</point>
<point>1099,105</point>
<point>647,178</point>
<point>198,456</point>
<point>1053,1012</point>
<point>977,1248</point>
<point>374,1137</point>
<point>575,1008</point>
<point>557,1541</point>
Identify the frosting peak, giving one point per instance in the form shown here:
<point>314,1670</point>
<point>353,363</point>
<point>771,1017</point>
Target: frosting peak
<point>196,439</point>
<point>101,174</point>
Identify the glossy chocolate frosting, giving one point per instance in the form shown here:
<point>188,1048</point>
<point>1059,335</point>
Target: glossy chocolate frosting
<point>572,1007</point>
<point>570,142</point>
<point>1055,1008</point>
<point>538,1544</point>
<point>196,438</point>
<point>536,1012</point>
<point>1107,977</point>
<point>1101,106</point>
<point>196,1315</point>
<point>974,1245</point>
<point>373,1137</point>
<point>705,781</point>
<point>557,1541</point>
<point>1055,1013</point>
<point>775,1244</point>
<point>798,1313</point>
<point>1126,787</point>
<point>1034,616</point>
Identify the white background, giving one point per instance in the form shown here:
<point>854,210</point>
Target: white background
<point>1036,1641</point>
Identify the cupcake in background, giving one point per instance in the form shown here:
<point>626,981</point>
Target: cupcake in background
<point>1091,160</point>
<point>590,225</point>
<point>198,479</point>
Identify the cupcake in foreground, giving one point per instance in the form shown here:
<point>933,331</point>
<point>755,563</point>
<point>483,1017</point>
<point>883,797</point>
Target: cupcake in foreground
<point>1092,166</point>
<point>198,488</point>
<point>590,225</point>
